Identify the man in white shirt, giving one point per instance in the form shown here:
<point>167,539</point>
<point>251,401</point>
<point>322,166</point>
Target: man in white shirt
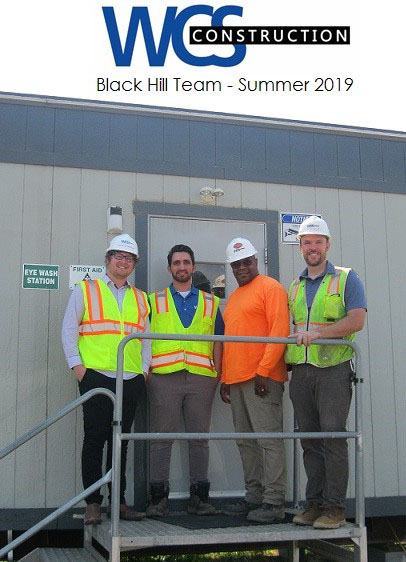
<point>99,315</point>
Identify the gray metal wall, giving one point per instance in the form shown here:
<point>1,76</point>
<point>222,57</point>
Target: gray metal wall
<point>57,215</point>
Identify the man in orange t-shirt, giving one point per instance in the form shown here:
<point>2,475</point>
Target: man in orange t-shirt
<point>253,382</point>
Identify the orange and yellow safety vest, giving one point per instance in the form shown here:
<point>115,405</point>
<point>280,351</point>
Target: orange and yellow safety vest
<point>169,356</point>
<point>103,326</point>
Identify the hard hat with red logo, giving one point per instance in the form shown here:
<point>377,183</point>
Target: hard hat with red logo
<point>124,243</point>
<point>238,249</point>
<point>313,225</point>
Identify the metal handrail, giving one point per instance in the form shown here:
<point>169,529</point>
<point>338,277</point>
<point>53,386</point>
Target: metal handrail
<point>79,497</point>
<point>357,435</point>
<point>114,474</point>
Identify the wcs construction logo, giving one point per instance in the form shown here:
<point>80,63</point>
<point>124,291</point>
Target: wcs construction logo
<point>216,34</point>
<point>172,29</point>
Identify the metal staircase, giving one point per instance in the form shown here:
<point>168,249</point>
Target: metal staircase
<point>119,536</point>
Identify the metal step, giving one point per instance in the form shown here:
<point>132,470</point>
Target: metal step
<point>63,555</point>
<point>151,533</point>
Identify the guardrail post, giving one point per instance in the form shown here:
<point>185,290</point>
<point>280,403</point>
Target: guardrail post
<point>116,457</point>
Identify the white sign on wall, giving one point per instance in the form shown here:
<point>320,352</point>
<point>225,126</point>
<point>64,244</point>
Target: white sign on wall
<point>78,273</point>
<point>290,223</point>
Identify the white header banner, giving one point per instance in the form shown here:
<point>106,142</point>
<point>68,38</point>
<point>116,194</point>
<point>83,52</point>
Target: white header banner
<point>337,62</point>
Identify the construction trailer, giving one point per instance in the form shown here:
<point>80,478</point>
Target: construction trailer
<point>199,178</point>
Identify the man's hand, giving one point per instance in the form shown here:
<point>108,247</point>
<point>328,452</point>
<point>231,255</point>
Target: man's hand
<point>261,386</point>
<point>305,338</point>
<point>79,371</point>
<point>225,393</point>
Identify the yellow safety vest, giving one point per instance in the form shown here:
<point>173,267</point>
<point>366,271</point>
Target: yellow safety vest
<point>328,307</point>
<point>169,356</point>
<point>103,327</point>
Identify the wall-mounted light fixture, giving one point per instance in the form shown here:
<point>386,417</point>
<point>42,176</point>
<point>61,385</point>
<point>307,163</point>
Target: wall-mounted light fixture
<point>208,195</point>
<point>114,220</point>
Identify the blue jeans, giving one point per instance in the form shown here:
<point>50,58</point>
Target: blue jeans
<point>321,399</point>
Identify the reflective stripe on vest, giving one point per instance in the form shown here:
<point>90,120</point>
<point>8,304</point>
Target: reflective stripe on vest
<point>188,357</point>
<point>161,303</point>
<point>103,321</point>
<point>170,355</point>
<point>97,324</point>
<point>328,306</point>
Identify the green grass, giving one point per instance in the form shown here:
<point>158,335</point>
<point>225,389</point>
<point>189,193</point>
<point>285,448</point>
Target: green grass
<point>248,556</point>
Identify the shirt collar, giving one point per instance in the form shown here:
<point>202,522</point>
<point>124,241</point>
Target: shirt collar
<point>107,280</point>
<point>193,290</point>
<point>329,269</point>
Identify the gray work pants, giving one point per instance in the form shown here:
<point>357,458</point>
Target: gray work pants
<point>172,396</point>
<point>263,460</point>
<point>321,399</point>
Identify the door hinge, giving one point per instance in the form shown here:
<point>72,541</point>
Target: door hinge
<point>265,256</point>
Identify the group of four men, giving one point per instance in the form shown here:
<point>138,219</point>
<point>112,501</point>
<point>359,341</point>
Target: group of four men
<point>182,376</point>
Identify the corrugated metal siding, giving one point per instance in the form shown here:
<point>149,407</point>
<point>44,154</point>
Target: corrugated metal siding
<point>86,137</point>
<point>57,215</point>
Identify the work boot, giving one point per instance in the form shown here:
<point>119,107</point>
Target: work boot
<point>198,504</point>
<point>158,504</point>
<point>267,513</point>
<point>332,518</point>
<point>241,507</point>
<point>309,515</point>
<point>92,514</point>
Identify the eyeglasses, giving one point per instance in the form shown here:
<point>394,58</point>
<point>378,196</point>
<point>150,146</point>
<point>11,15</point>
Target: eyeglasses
<point>246,263</point>
<point>128,259</point>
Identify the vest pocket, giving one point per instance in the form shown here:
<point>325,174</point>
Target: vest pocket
<point>332,307</point>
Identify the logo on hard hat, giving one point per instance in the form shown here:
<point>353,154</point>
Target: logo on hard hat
<point>124,241</point>
<point>238,245</point>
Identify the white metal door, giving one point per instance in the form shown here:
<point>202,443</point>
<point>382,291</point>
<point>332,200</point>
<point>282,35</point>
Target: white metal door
<point>208,239</point>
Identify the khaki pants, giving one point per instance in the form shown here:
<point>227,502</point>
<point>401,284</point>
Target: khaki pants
<point>172,397</point>
<point>263,461</point>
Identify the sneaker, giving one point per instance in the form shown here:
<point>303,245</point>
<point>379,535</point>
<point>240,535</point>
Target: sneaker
<point>240,508</point>
<point>267,513</point>
<point>331,518</point>
<point>309,516</point>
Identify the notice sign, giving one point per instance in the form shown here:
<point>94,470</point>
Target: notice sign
<point>78,273</point>
<point>40,276</point>
<point>290,223</point>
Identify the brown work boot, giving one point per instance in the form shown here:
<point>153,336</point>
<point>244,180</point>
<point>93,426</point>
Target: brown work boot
<point>127,513</point>
<point>331,518</point>
<point>92,514</point>
<point>158,504</point>
<point>309,516</point>
<point>198,504</point>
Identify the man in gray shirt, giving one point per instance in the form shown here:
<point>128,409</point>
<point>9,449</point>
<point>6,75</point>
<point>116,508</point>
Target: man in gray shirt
<point>99,315</point>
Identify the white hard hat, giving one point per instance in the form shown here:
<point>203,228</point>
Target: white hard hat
<point>124,243</point>
<point>220,281</point>
<point>313,225</point>
<point>238,249</point>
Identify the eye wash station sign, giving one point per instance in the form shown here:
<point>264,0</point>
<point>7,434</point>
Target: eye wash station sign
<point>40,276</point>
